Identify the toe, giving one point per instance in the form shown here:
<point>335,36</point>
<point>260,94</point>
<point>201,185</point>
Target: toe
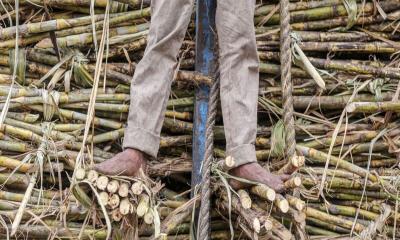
<point>284,177</point>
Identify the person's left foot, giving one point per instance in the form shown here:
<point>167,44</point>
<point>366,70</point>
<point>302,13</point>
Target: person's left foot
<point>256,173</point>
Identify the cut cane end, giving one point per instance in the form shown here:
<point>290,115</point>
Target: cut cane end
<point>112,186</point>
<point>103,198</point>
<point>137,188</point>
<point>245,199</point>
<point>125,206</point>
<point>123,190</point>
<point>113,201</point>
<point>148,217</point>
<point>271,195</point>
<point>102,182</point>
<point>116,215</point>
<point>80,174</point>
<point>298,161</point>
<point>268,225</point>
<point>300,205</point>
<point>283,205</point>
<point>143,205</point>
<point>256,225</point>
<point>92,176</point>
<point>293,182</point>
<point>229,161</point>
<point>297,181</point>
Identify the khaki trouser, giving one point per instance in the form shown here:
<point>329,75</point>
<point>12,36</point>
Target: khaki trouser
<point>238,72</point>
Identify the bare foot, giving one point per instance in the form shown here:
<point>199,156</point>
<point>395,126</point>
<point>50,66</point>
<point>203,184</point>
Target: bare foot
<point>254,172</point>
<point>126,163</point>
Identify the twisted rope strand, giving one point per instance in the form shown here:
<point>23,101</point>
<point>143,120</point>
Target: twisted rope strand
<point>204,215</point>
<point>287,87</point>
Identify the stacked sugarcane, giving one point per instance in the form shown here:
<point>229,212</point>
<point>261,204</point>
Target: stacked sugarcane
<point>346,73</point>
<point>122,195</point>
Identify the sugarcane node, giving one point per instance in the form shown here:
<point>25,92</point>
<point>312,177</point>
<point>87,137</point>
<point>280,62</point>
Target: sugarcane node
<point>293,182</point>
<point>116,215</point>
<point>80,174</point>
<point>125,206</point>
<point>137,188</point>
<point>92,176</point>
<point>102,182</point>
<point>103,198</point>
<point>123,189</point>
<point>245,199</point>
<point>112,186</point>
<point>256,225</point>
<point>264,192</point>
<point>113,201</point>
<point>351,107</point>
<point>268,225</point>
<point>149,217</point>
<point>229,161</point>
<point>143,205</point>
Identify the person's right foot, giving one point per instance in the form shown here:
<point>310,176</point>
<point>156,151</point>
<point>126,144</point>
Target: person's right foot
<point>126,163</point>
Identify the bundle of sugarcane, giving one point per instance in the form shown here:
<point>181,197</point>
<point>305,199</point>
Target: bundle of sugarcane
<point>122,195</point>
<point>346,89</point>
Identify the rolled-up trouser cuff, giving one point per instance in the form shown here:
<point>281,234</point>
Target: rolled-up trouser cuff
<point>141,140</point>
<point>242,154</point>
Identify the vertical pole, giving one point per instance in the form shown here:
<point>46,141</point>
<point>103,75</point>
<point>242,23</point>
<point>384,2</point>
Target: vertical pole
<point>206,62</point>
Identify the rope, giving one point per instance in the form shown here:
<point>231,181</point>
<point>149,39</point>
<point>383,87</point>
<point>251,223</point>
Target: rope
<point>204,215</point>
<point>372,230</point>
<point>287,87</point>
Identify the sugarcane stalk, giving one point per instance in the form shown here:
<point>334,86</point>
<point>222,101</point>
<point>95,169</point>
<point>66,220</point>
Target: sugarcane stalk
<point>335,161</point>
<point>372,107</point>
<point>293,165</point>
<point>82,117</point>
<point>245,199</point>
<point>328,12</point>
<point>322,216</point>
<point>345,211</point>
<point>327,226</point>
<point>282,204</point>
<point>15,146</point>
<point>25,199</point>
<point>263,192</point>
<point>295,202</point>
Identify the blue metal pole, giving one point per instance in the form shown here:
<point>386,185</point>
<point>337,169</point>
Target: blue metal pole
<point>206,63</point>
